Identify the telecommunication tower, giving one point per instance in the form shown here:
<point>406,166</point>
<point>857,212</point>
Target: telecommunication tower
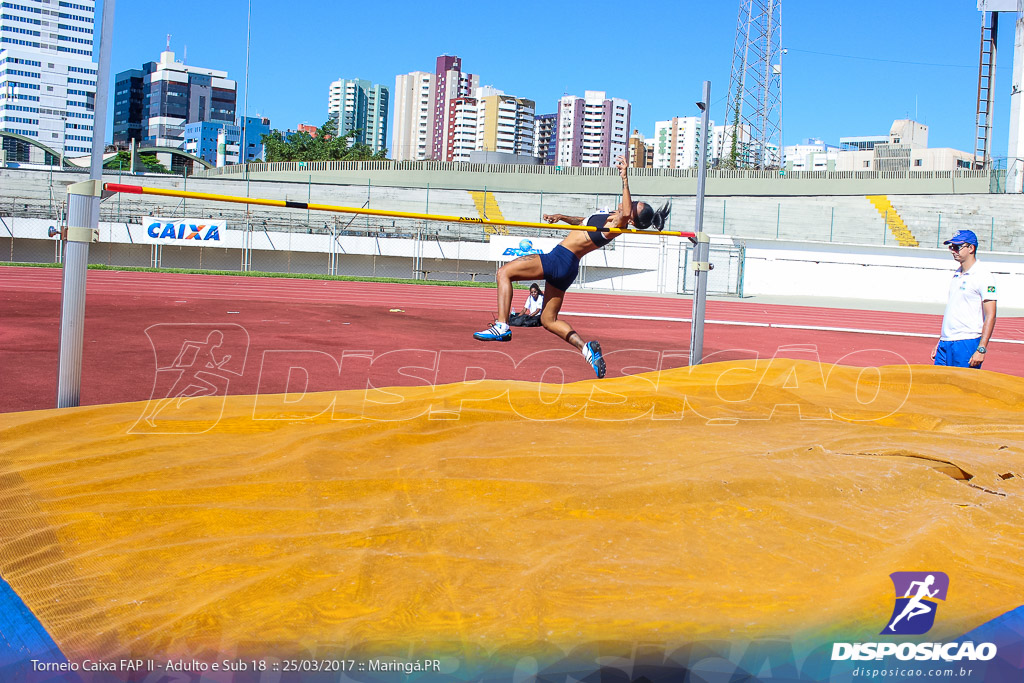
<point>990,10</point>
<point>752,136</point>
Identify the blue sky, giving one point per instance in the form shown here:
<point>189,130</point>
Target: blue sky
<point>851,68</point>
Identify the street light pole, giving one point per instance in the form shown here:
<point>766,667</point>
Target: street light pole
<point>243,147</point>
<point>702,243</point>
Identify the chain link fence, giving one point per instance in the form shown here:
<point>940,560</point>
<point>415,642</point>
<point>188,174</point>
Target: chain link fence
<point>306,241</point>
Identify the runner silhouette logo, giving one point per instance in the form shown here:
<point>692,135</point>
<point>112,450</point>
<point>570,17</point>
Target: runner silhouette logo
<point>917,596</point>
<point>193,360</point>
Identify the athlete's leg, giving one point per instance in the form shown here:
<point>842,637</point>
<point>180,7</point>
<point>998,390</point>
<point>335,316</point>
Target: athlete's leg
<point>549,316</point>
<point>591,350</point>
<point>522,268</point>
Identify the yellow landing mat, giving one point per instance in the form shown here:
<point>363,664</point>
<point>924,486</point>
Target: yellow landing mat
<point>734,500</point>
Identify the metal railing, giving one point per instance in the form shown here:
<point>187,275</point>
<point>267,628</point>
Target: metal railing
<point>470,167</point>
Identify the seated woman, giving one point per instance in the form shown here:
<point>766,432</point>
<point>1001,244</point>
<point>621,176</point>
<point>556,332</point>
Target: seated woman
<point>530,315</point>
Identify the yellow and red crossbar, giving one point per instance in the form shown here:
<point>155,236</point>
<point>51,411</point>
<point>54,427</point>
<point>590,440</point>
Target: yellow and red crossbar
<point>136,189</point>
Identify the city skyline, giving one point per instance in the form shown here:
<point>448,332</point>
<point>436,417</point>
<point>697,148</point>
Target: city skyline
<point>839,79</point>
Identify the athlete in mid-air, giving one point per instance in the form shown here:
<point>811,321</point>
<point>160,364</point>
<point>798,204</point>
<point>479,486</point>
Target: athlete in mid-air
<point>560,266</point>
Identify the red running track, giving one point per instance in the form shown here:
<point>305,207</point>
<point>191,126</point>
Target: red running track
<point>145,334</point>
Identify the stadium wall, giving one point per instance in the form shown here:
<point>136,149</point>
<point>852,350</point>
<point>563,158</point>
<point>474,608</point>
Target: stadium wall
<point>636,263</point>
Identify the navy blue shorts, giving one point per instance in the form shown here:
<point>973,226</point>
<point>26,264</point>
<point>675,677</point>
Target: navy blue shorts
<point>956,353</point>
<point>560,267</point>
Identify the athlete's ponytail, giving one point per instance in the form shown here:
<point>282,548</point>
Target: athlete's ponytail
<point>649,217</point>
<point>660,218</point>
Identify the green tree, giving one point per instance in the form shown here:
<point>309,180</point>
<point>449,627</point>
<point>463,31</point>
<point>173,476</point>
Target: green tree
<point>123,160</point>
<point>325,145</point>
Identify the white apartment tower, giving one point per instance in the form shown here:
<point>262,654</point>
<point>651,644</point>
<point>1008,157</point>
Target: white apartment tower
<point>414,116</point>
<point>47,75</point>
<point>677,142</point>
<point>463,121</point>
<point>593,130</point>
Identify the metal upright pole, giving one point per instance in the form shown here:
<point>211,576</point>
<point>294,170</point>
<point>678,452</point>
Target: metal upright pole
<point>83,229</point>
<point>243,147</point>
<point>702,243</point>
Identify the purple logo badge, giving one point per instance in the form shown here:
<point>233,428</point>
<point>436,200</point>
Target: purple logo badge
<point>917,594</point>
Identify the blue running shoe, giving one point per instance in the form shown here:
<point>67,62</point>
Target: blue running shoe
<point>494,333</point>
<point>592,352</point>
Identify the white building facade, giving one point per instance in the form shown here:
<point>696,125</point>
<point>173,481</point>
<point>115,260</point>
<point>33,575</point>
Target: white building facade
<point>905,150</point>
<point>47,75</point>
<point>811,155</point>
<point>593,130</point>
<point>414,116</point>
<point>677,142</point>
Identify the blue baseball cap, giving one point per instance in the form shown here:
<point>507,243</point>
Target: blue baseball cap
<point>963,237</point>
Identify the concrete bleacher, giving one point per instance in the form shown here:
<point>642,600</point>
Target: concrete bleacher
<point>998,219</point>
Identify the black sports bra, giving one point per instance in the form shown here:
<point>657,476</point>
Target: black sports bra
<point>599,237</point>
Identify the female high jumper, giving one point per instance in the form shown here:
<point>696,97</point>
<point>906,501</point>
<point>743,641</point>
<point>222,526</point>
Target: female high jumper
<point>560,266</point>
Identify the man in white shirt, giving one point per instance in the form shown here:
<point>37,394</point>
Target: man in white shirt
<point>970,314</point>
<point>530,315</point>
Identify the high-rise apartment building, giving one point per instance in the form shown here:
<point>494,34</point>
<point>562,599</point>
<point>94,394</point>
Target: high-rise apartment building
<point>47,76</point>
<point>505,124</point>
<point>129,107</point>
<point>427,106</point>
<point>593,130</point>
<point>637,150</point>
<point>460,136</point>
<point>169,94</point>
<point>545,138</point>
<point>358,104</point>
<point>449,84</point>
<point>489,121</point>
<point>677,142</point>
<point>414,116</point>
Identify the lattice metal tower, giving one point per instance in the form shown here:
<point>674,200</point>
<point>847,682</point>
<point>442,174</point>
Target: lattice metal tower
<point>986,89</point>
<point>753,123</point>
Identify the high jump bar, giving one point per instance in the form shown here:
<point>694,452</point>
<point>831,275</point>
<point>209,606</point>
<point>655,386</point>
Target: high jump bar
<point>137,189</point>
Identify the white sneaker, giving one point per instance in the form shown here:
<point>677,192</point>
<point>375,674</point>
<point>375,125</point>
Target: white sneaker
<point>496,332</point>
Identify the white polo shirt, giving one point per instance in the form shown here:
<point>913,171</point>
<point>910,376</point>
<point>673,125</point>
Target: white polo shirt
<point>964,317</point>
<point>534,305</point>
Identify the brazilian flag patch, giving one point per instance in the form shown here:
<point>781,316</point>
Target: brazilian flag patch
<point>991,289</point>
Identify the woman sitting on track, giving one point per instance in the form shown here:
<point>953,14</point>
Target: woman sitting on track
<point>560,266</point>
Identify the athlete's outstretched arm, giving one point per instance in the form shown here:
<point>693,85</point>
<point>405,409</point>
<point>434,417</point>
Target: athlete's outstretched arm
<point>556,217</point>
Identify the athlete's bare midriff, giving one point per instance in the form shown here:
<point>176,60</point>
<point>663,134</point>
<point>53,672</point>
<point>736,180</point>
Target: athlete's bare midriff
<point>580,244</point>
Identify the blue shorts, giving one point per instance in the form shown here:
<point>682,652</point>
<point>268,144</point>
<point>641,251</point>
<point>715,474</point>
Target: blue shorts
<point>561,267</point>
<point>956,353</point>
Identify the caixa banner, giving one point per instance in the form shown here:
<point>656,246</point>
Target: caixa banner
<point>199,232</point>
